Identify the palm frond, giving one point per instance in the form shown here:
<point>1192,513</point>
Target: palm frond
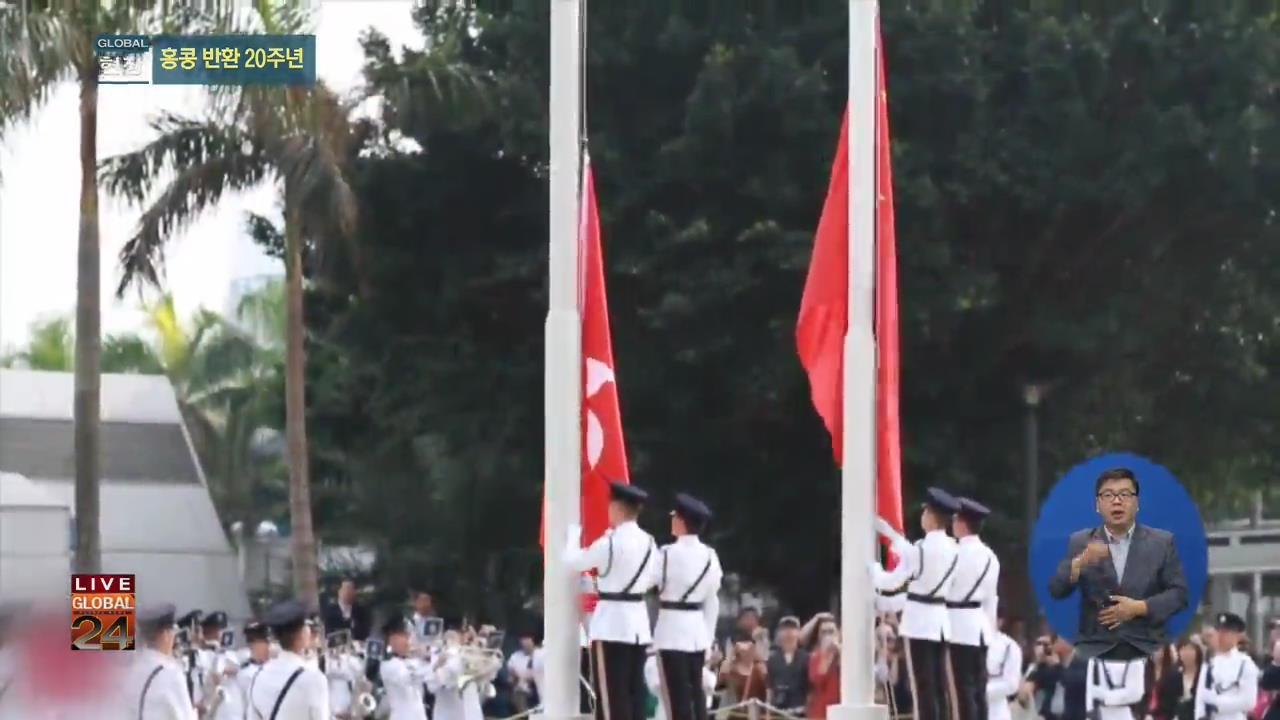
<point>37,51</point>
<point>130,354</point>
<point>210,159</point>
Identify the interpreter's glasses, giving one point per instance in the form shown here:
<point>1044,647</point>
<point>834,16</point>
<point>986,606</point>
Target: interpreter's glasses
<point>1112,496</point>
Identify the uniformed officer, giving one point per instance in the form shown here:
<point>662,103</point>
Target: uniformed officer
<point>1004,674</point>
<point>1229,685</point>
<point>288,687</point>
<point>971,610</point>
<point>688,577</point>
<point>402,676</point>
<point>188,639</point>
<point>215,667</point>
<point>257,637</point>
<point>155,686</point>
<point>1112,687</point>
<point>619,631</point>
<point>928,566</point>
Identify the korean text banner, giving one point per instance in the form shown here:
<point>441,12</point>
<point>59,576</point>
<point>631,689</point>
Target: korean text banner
<point>233,60</point>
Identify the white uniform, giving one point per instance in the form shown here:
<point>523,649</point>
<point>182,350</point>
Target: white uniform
<point>1113,686</point>
<point>155,688</point>
<point>687,572</point>
<point>1234,688</point>
<point>244,680</point>
<point>975,580</point>
<point>222,664</point>
<point>342,671</point>
<point>928,565</point>
<point>452,703</point>
<point>307,698</point>
<point>403,678</point>
<point>1004,675</point>
<point>528,669</point>
<point>618,556</point>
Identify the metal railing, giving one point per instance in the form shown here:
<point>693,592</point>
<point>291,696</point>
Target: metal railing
<point>750,709</point>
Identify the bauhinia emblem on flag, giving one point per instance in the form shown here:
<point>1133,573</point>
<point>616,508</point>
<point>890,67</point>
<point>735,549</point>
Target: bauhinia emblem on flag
<point>824,312</point>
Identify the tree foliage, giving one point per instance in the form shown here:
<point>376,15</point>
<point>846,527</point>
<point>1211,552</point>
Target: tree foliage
<point>1084,199</point>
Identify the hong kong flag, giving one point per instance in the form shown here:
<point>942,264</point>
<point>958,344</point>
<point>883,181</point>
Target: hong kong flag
<point>824,311</point>
<point>604,454</point>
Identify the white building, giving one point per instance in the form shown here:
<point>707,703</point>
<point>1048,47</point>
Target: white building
<point>157,517</point>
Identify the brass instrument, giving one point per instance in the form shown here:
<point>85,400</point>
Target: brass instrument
<point>341,649</point>
<point>480,665</point>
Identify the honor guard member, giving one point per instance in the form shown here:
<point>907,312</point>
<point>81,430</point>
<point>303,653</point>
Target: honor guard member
<point>619,631</point>
<point>257,637</point>
<point>402,676</point>
<point>1229,683</point>
<point>1113,687</point>
<point>155,688</point>
<point>688,576</point>
<point>188,644</point>
<point>216,667</point>
<point>971,610</point>
<point>1004,674</point>
<point>928,566</point>
<point>288,687</point>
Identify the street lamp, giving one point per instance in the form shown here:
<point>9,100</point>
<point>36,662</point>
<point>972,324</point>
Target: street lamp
<point>1032,396</point>
<point>265,533</point>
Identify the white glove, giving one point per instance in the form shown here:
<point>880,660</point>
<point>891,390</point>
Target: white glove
<point>873,568</point>
<point>575,536</point>
<point>887,530</point>
<point>901,546</point>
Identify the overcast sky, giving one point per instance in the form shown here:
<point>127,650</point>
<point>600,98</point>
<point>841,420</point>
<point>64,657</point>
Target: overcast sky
<point>39,190</point>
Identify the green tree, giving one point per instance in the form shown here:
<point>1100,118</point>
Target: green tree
<point>1091,208</point>
<point>47,42</point>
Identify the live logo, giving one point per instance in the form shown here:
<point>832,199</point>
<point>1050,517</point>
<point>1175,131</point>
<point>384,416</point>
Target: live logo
<point>89,584</point>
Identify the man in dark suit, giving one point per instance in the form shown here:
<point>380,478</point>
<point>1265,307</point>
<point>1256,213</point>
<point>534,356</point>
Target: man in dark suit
<point>346,614</point>
<point>1129,576</point>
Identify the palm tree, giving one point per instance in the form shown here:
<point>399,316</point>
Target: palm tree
<point>298,137</point>
<point>44,43</point>
<point>52,346</point>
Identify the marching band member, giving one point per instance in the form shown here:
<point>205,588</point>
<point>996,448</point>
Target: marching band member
<point>1004,674</point>
<point>454,700</point>
<point>619,630</point>
<point>402,676</point>
<point>971,610</point>
<point>216,667</point>
<point>342,669</point>
<point>288,687</point>
<point>688,577</point>
<point>259,642</point>
<point>154,687</point>
<point>1229,684</point>
<point>928,565</point>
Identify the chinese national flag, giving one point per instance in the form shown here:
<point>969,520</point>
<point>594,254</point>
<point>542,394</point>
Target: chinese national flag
<point>604,455</point>
<point>824,312</point>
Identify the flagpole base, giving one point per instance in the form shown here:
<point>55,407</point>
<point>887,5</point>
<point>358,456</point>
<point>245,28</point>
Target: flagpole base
<point>857,712</point>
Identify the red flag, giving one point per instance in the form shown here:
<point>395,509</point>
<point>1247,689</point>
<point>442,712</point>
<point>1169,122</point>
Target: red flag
<point>604,455</point>
<point>824,312</point>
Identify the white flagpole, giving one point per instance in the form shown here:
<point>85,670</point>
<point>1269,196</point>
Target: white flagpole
<point>563,371</point>
<point>858,479</point>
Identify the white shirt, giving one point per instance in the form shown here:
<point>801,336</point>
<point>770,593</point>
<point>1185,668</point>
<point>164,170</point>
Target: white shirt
<point>342,671</point>
<point>1004,675</point>
<point>1119,547</point>
<point>679,567</point>
<point>1234,691</point>
<point>166,696</point>
<point>527,669</point>
<point>308,697</point>
<point>976,579</point>
<point>402,679</point>
<point>214,663</point>
<point>244,680</point>
<point>623,553</point>
<point>452,704</point>
<point>1114,686</point>
<point>927,566</point>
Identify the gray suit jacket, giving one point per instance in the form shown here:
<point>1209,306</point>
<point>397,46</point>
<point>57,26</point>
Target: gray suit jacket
<point>1153,572</point>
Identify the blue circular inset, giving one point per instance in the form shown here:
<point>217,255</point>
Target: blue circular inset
<point>1163,503</point>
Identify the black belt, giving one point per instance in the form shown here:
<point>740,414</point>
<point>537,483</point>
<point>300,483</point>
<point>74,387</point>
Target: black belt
<point>964,605</point>
<point>620,597</point>
<point>926,599</point>
<point>678,605</point>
